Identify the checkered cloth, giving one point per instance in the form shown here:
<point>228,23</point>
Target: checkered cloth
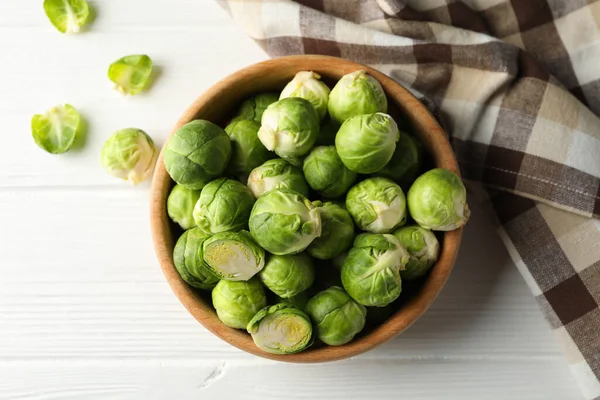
<point>517,86</point>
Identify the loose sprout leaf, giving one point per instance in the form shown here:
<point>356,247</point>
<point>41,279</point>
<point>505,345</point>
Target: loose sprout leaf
<point>131,73</point>
<point>56,130</point>
<point>68,16</point>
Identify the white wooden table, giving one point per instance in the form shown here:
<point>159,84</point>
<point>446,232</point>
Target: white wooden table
<point>84,310</point>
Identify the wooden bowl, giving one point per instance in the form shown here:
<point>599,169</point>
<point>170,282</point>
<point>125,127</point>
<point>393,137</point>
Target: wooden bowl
<point>216,105</point>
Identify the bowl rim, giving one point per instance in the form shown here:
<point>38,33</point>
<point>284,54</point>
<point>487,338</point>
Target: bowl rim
<point>410,312</point>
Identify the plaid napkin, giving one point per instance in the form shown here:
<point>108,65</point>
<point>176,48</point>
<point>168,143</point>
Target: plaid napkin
<point>517,86</point>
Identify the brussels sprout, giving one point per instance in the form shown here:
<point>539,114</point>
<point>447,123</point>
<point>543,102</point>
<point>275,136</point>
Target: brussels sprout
<point>337,232</point>
<point>277,174</point>
<point>377,205</point>
<point>307,85</point>
<point>336,316</point>
<point>438,201</point>
<point>290,128</point>
<point>423,248</point>
<point>197,153</point>
<point>405,164</point>
<point>237,302</point>
<point>281,329</point>
<point>180,206</point>
<point>326,136</point>
<point>131,74</point>
<point>356,93</point>
<point>325,172</point>
<point>366,143</point>
<point>129,154</point>
<point>224,205</point>
<point>233,256</point>
<point>247,151</point>
<point>254,107</point>
<point>68,16</point>
<point>371,272</point>
<point>188,260</point>
<point>288,275</point>
<point>298,301</point>
<point>57,130</point>
<point>284,222</point>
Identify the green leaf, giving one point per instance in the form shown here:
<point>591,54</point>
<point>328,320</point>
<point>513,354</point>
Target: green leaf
<point>68,16</point>
<point>56,130</point>
<point>131,74</point>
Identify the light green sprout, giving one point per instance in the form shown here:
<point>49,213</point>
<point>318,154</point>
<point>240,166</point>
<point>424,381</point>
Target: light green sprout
<point>423,247</point>
<point>281,329</point>
<point>129,154</point>
<point>308,85</point>
<point>247,151</point>
<point>277,174</point>
<point>68,16</point>
<point>131,74</point>
<point>288,275</point>
<point>236,302</point>
<point>233,256</point>
<point>337,232</point>
<point>56,130</point>
<point>254,107</point>
<point>180,206</point>
<point>438,201</point>
<point>405,164</point>
<point>326,173</point>
<point>187,257</point>
<point>356,93</point>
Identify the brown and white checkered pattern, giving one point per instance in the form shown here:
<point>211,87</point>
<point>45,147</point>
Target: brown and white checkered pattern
<point>517,85</point>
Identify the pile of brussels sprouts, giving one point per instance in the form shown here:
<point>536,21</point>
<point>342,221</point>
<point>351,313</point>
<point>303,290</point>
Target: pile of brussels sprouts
<point>295,214</point>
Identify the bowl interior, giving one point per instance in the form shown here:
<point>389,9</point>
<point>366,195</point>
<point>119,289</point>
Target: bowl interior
<point>217,105</point>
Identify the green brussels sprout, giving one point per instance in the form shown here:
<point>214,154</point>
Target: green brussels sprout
<point>405,164</point>
<point>336,316</point>
<point>254,107</point>
<point>233,256</point>
<point>129,154</point>
<point>277,174</point>
<point>56,130</point>
<point>180,206</point>
<point>438,201</point>
<point>236,302</point>
<point>187,257</point>
<point>377,205</point>
<point>298,301</point>
<point>284,222</point>
<point>366,143</point>
<point>281,329</point>
<point>423,248</point>
<point>67,16</point>
<point>288,275</point>
<point>197,153</point>
<point>131,74</point>
<point>289,128</point>
<point>371,272</point>
<point>326,173</point>
<point>224,205</point>
<point>247,151</point>
<point>308,85</point>
<point>356,93</point>
<point>337,232</point>
<point>326,136</point>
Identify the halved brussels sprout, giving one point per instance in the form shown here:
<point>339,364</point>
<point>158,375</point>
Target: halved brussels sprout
<point>68,16</point>
<point>131,74</point>
<point>254,107</point>
<point>187,257</point>
<point>423,248</point>
<point>237,302</point>
<point>308,85</point>
<point>366,143</point>
<point>337,232</point>
<point>56,130</point>
<point>247,151</point>
<point>129,154</point>
<point>224,205</point>
<point>233,256</point>
<point>377,205</point>
<point>326,173</point>
<point>288,275</point>
<point>356,93</point>
<point>281,329</point>
<point>284,222</point>
<point>180,206</point>
<point>277,174</point>
<point>438,201</point>
<point>405,164</point>
<point>197,153</point>
<point>371,272</point>
<point>336,316</point>
<point>289,128</point>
